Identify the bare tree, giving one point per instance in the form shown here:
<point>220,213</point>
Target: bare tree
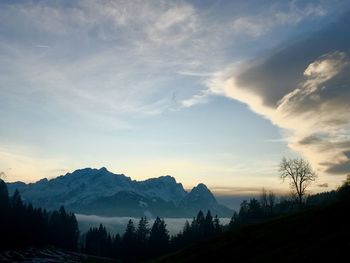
<point>267,200</point>
<point>300,175</point>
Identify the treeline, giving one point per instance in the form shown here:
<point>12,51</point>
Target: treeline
<point>325,198</point>
<point>135,244</point>
<point>201,228</point>
<point>144,242</point>
<point>21,225</point>
<point>254,210</point>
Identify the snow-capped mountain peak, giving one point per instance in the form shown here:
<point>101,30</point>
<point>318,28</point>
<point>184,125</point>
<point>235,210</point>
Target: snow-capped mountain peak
<point>96,191</point>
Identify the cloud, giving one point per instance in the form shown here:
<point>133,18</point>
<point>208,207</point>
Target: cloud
<point>279,140</point>
<point>325,185</point>
<point>201,98</point>
<point>342,167</point>
<point>261,24</point>
<point>174,26</point>
<point>242,191</point>
<point>121,57</point>
<point>110,60</point>
<point>99,65</point>
<point>304,88</point>
<point>312,139</point>
<point>42,46</point>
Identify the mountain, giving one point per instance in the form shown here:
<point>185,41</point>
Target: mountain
<point>200,198</point>
<point>100,192</point>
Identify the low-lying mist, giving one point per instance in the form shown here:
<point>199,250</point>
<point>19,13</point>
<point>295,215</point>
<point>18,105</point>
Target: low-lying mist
<point>116,225</point>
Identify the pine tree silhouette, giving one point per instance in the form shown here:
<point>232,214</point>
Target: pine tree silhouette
<point>142,235</point>
<point>159,237</point>
<point>23,225</point>
<point>209,226</point>
<point>129,240</point>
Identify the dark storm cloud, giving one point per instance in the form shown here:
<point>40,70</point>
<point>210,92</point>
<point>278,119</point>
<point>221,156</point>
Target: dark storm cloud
<point>311,140</point>
<point>325,185</point>
<point>339,168</point>
<point>304,86</point>
<point>347,153</point>
<point>280,72</point>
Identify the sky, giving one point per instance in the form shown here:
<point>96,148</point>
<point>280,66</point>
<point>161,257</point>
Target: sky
<point>213,92</point>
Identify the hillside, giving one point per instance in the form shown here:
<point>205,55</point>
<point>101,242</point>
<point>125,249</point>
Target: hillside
<point>320,234</point>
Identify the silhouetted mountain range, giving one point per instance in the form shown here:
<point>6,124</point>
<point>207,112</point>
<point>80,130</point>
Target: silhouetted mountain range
<point>100,192</point>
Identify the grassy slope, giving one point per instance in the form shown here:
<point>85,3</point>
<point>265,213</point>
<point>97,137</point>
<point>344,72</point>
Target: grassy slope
<point>318,234</point>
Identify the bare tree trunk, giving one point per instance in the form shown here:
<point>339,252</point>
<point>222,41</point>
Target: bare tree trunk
<point>300,200</point>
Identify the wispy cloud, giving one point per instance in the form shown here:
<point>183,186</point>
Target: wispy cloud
<point>201,98</point>
<point>279,140</point>
<point>42,46</point>
<point>106,63</point>
<point>124,53</point>
<point>120,56</point>
<point>260,24</point>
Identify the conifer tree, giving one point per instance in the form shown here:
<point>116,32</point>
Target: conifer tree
<point>116,246</point>
<point>217,226</point>
<point>142,230</point>
<point>142,234</point>
<point>234,220</point>
<point>209,226</point>
<point>16,200</point>
<point>128,243</point>
<point>159,237</point>
<point>4,196</point>
<point>200,224</point>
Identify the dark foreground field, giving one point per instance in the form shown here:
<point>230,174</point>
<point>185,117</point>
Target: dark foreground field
<point>320,234</point>
<point>49,255</point>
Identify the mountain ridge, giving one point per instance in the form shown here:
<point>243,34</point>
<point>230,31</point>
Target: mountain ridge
<point>100,192</point>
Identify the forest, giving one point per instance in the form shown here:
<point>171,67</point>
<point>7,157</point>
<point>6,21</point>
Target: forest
<point>23,225</point>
